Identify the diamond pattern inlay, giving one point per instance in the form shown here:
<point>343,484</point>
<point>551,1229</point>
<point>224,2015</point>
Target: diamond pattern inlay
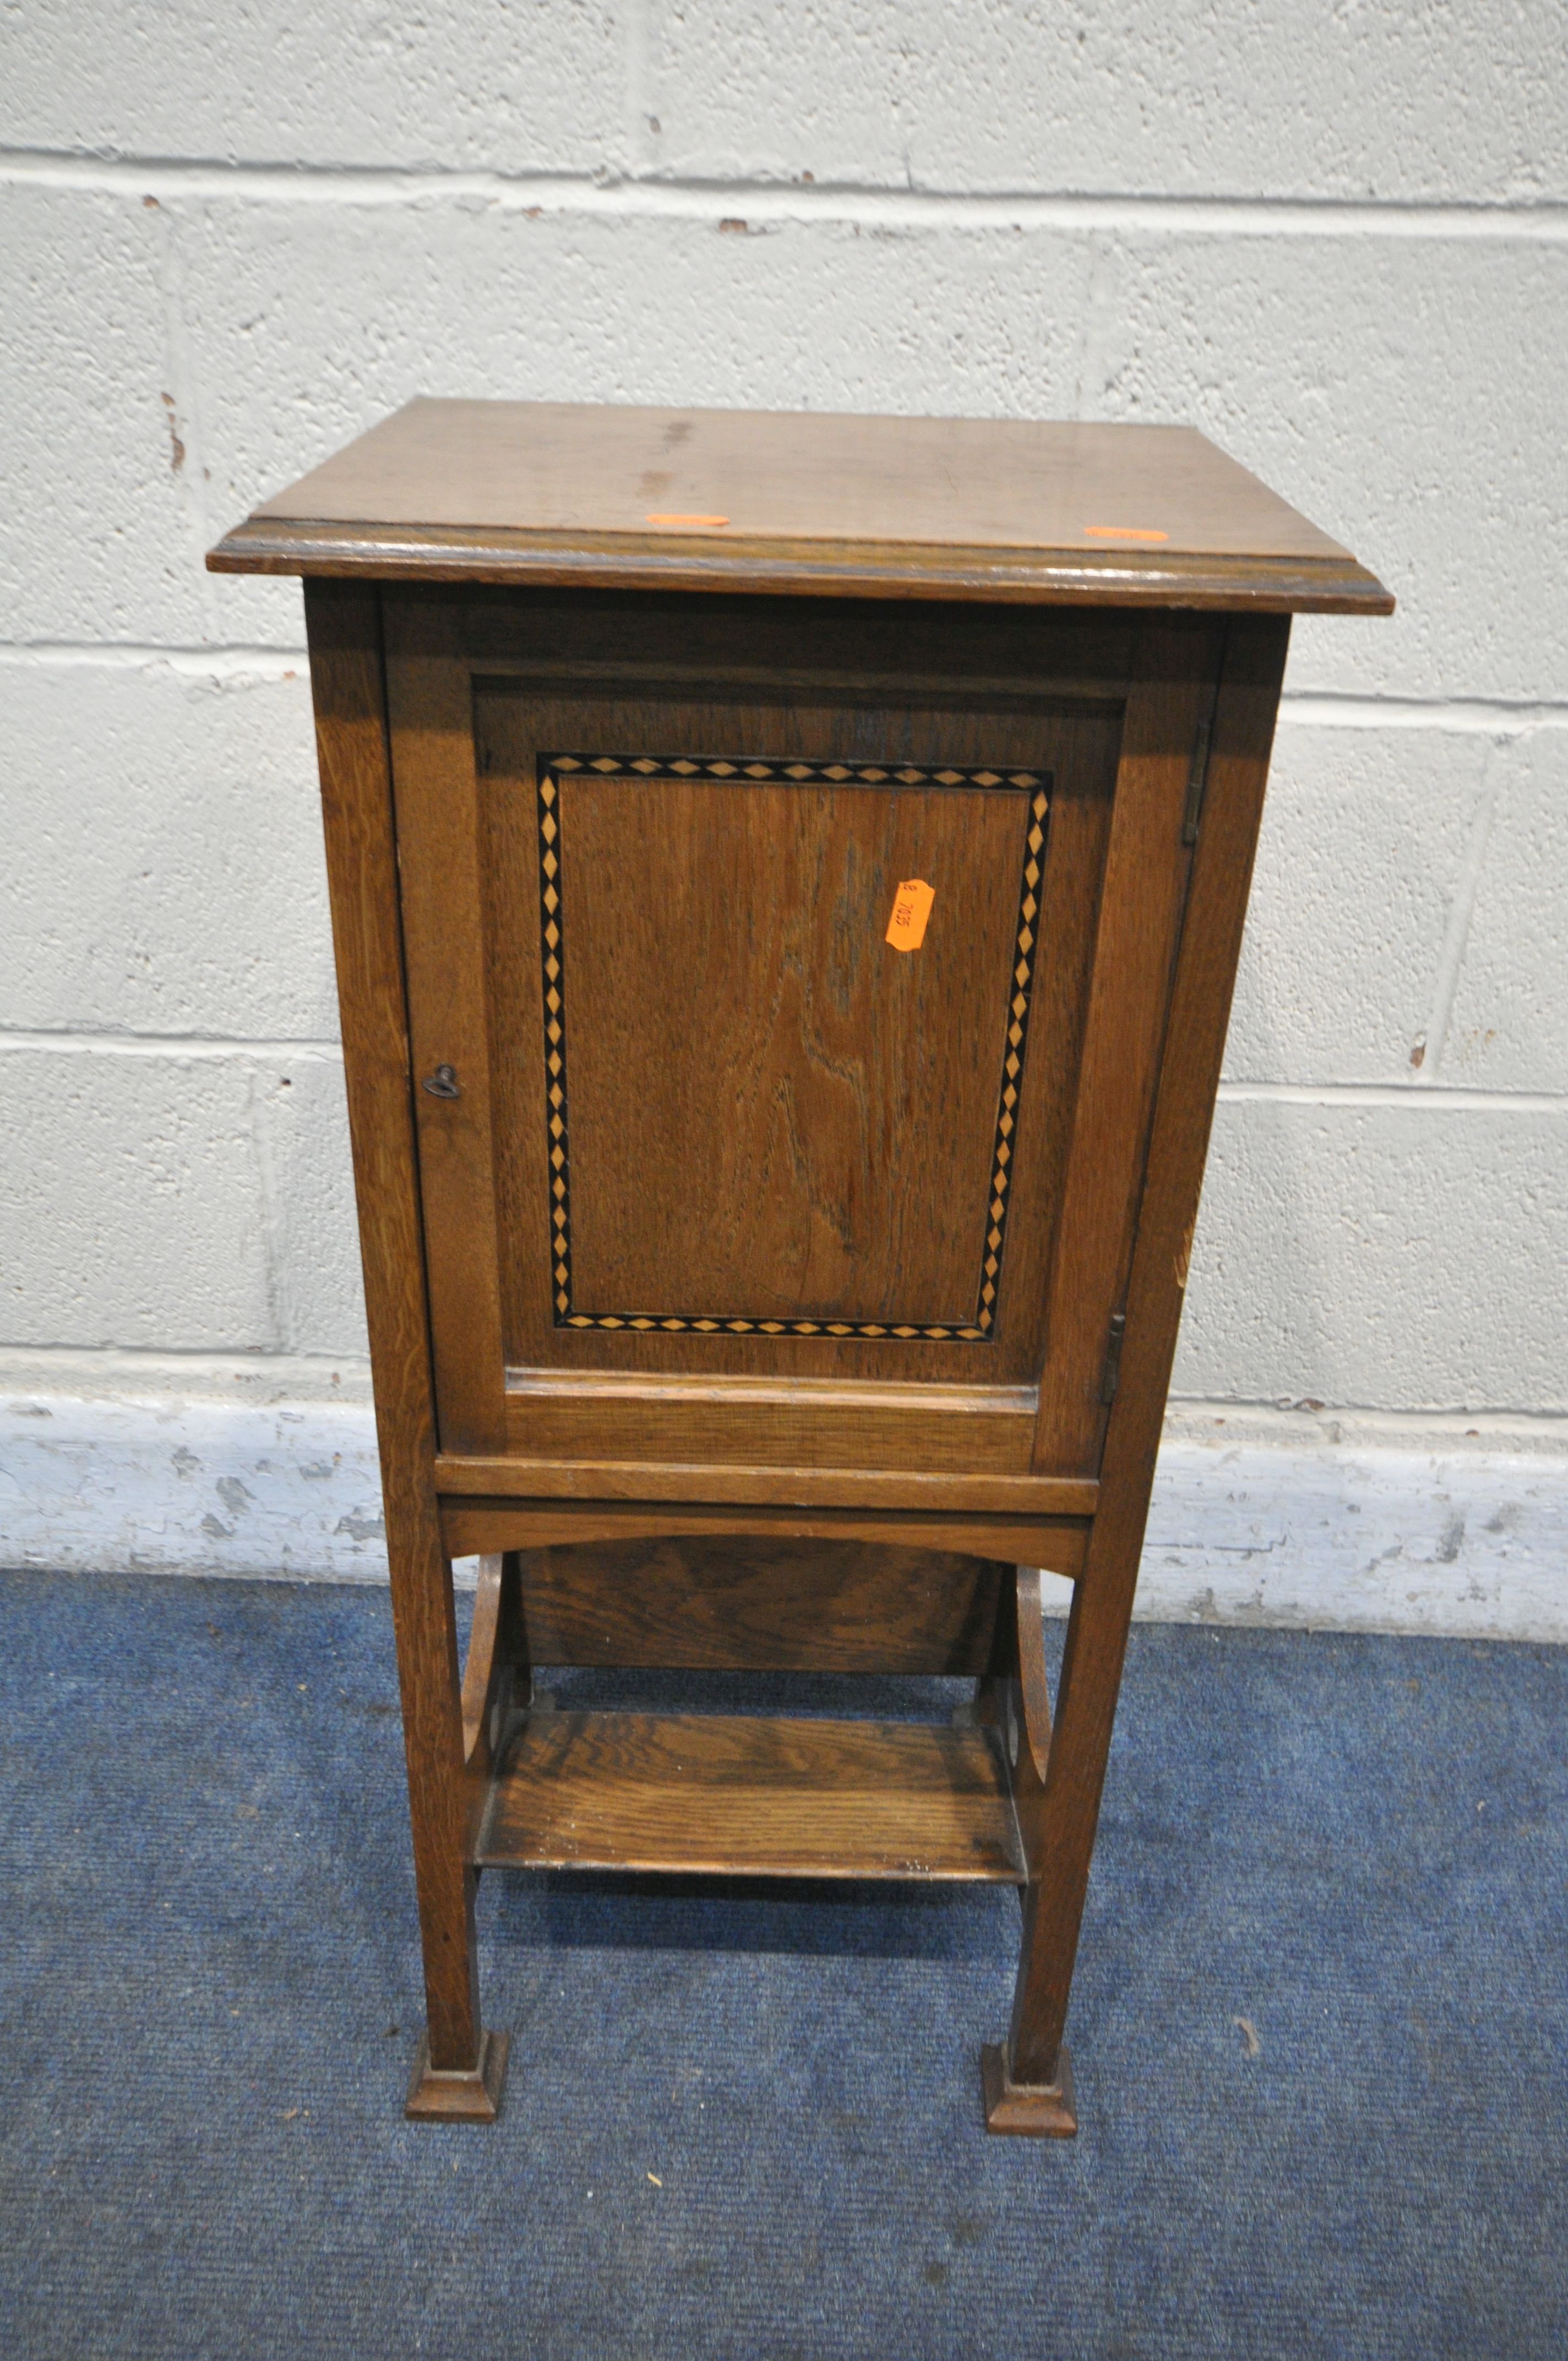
<point>552,767</point>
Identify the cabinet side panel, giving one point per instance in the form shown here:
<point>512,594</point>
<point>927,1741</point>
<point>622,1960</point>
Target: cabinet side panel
<point>345,633</point>
<point>1195,1047</point>
<point>430,707</point>
<point>1140,916</point>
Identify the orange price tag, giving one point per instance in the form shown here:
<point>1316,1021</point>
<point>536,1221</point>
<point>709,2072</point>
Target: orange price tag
<point>911,908</point>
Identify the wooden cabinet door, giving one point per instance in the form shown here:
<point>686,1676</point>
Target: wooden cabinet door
<point>755,966</point>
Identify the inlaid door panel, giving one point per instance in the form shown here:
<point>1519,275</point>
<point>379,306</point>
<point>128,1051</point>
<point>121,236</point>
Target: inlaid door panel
<point>736,1152</point>
<point>772,1140</point>
<point>768,1118</point>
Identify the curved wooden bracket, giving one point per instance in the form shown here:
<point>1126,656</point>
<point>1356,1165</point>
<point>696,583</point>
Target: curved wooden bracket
<point>1033,1685</point>
<point>494,1656</point>
<point>1014,1701</point>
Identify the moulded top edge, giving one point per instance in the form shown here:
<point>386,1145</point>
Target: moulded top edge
<point>617,496</point>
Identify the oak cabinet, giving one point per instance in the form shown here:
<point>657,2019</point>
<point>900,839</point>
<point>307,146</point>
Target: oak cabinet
<point>787,877</point>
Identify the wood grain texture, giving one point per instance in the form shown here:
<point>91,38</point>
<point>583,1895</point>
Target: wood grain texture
<point>497,1654</point>
<point>343,626</point>
<point>474,1527</point>
<point>772,1111</point>
<point>760,1100</point>
<point>431,712</point>
<point>771,1421</point>
<point>484,1651</point>
<point>733,1603</point>
<point>843,1123</point>
<point>436,554</point>
<point>1140,915</point>
<point>1102,1609</point>
<point>883,651</point>
<point>793,1487</point>
<point>1034,1687</point>
<point>751,1795</point>
<point>806,502</point>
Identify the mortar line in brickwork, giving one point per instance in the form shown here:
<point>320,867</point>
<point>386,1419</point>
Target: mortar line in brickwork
<point>1431,1097</point>
<point>719,201</point>
<point>344,1371</point>
<point>247,1381</point>
<point>1301,1422</point>
<point>1486,716</point>
<point>1310,708</point>
<point>174,1046</point>
<point>78,1043</point>
<point>215,663</point>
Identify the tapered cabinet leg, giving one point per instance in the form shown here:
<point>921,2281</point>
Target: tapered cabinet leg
<point>1028,2082</point>
<point>1056,1791</point>
<point>460,2068</point>
<point>1040,2105</point>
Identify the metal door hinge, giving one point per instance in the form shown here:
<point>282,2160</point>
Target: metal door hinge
<point>1197,779</point>
<point>1113,1368</point>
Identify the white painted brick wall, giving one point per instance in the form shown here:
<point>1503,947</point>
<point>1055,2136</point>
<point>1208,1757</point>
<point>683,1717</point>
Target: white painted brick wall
<point>1297,98</point>
<point>1335,236</point>
<point>134,1215</point>
<point>528,85</point>
<point>163,871</point>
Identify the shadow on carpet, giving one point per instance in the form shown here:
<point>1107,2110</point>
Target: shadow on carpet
<point>1318,2030</point>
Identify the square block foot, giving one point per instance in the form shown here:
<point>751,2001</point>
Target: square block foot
<point>471,2098</point>
<point>1036,2111</point>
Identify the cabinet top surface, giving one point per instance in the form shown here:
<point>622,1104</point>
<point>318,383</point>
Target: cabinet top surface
<point>867,506</point>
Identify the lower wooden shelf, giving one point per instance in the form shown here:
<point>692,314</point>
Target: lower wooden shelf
<point>746,1795</point>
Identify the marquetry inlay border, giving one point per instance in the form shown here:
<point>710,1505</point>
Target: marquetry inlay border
<point>1036,785</point>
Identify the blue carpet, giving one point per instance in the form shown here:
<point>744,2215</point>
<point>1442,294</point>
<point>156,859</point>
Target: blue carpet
<point>210,1994</point>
